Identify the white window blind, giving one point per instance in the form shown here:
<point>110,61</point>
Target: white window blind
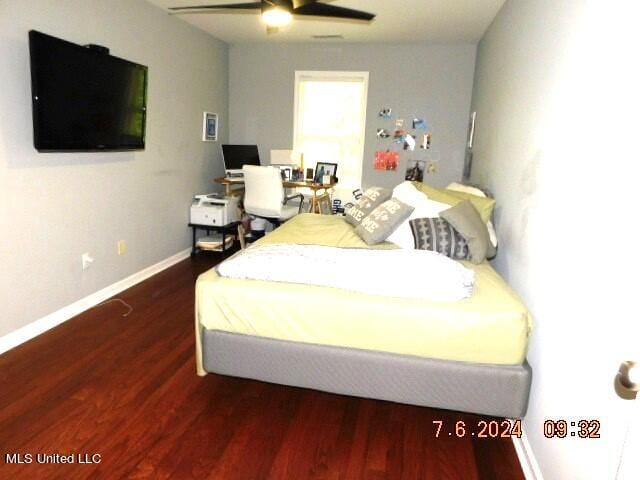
<point>329,121</point>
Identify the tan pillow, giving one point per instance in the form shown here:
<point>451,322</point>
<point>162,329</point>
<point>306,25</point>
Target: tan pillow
<point>466,220</point>
<point>460,187</point>
<point>483,205</point>
<point>442,196</point>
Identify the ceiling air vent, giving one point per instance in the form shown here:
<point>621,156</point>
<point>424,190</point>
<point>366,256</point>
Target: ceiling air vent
<point>327,37</point>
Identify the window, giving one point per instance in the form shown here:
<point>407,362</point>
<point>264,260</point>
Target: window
<point>329,121</point>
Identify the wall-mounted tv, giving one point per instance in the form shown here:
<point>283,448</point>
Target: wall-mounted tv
<point>85,99</point>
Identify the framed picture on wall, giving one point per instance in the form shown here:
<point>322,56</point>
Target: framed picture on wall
<point>210,127</point>
<point>415,170</point>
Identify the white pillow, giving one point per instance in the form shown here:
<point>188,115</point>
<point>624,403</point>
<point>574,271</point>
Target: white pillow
<point>406,192</point>
<point>423,208</point>
<point>458,187</point>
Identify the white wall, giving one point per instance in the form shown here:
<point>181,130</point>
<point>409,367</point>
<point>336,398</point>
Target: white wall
<point>556,91</point>
<point>429,81</point>
<point>54,207</point>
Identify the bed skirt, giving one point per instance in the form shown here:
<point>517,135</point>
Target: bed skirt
<point>496,390</point>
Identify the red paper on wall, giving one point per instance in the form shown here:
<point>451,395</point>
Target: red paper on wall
<point>386,160</point>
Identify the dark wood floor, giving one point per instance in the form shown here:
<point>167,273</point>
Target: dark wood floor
<point>125,388</point>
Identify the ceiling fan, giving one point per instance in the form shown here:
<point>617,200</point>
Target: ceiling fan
<point>279,13</point>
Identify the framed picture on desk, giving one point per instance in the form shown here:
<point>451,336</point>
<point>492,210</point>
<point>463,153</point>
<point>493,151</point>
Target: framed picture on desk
<point>322,169</point>
<point>285,170</point>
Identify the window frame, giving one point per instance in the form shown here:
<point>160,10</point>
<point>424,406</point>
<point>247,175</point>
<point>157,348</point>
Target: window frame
<point>329,76</point>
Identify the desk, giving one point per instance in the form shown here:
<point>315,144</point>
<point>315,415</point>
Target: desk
<point>230,182</point>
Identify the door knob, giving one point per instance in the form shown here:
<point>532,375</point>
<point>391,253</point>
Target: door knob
<point>626,382</point>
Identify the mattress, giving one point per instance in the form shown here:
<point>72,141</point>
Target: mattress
<point>491,327</point>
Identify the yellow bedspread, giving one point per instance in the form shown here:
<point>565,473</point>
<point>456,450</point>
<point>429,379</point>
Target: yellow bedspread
<point>490,327</point>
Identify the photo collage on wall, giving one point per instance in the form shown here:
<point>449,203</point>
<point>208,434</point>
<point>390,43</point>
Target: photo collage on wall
<point>401,136</point>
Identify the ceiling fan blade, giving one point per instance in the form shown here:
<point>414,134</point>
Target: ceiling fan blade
<point>229,6</point>
<point>326,10</point>
<point>302,3</point>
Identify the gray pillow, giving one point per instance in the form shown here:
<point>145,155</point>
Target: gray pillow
<point>383,220</point>
<point>438,235</point>
<point>373,197</point>
<point>466,220</point>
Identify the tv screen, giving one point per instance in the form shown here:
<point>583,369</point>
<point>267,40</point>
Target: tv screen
<point>84,99</point>
<point>235,156</point>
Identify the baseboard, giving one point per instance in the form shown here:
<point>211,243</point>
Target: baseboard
<point>528,461</point>
<point>33,329</point>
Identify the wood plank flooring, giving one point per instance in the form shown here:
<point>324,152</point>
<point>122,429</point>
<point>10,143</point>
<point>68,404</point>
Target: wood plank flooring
<point>125,388</point>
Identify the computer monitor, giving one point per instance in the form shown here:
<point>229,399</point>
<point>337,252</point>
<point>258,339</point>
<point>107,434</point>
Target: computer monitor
<point>236,156</point>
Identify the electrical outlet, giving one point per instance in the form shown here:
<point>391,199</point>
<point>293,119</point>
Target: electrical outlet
<point>122,247</point>
<point>87,260</point>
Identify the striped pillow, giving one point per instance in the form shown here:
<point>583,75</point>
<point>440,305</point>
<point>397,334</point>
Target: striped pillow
<point>438,235</point>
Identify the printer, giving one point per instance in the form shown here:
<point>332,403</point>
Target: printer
<point>214,210</point>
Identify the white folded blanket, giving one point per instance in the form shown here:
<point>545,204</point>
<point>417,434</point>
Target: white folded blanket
<point>418,274</point>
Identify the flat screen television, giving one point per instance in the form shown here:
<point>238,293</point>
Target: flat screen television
<point>235,156</point>
<point>85,99</point>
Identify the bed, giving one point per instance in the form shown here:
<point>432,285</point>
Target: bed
<point>468,355</point>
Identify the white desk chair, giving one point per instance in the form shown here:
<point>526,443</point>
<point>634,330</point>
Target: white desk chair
<point>264,195</point>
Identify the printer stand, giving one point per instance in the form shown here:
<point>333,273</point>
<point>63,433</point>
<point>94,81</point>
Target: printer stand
<point>229,229</point>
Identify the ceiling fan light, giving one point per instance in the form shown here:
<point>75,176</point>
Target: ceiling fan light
<point>277,17</point>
